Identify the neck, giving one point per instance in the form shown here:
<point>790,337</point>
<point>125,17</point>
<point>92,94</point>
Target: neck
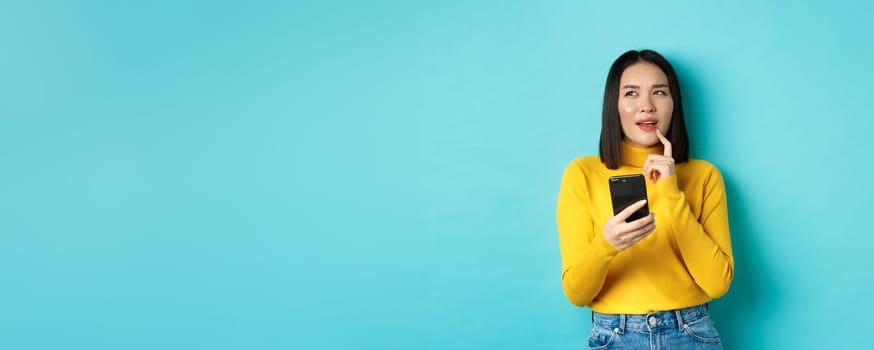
<point>635,156</point>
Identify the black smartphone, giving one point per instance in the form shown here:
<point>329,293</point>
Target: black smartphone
<point>626,190</point>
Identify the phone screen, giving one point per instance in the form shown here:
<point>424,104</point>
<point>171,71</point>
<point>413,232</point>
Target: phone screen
<point>626,190</point>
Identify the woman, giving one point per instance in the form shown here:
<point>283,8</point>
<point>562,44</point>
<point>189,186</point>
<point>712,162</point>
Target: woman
<point>647,281</point>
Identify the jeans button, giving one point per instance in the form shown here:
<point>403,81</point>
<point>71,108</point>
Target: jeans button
<point>653,320</point>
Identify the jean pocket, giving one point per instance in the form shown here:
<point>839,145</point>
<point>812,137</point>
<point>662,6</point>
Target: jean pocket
<point>702,330</point>
<point>600,337</point>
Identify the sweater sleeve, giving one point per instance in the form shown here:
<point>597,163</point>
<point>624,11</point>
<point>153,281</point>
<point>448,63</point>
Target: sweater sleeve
<point>585,254</point>
<point>704,243</point>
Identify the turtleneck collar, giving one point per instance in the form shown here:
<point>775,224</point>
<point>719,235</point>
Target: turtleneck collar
<point>635,156</point>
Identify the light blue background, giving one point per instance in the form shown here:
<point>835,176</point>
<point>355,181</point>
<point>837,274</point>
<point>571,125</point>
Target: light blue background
<point>383,174</point>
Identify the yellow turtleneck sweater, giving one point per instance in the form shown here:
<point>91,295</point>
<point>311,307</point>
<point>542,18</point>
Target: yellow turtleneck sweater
<point>687,260</point>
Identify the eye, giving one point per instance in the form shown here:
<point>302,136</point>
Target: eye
<point>661,92</point>
<point>631,93</point>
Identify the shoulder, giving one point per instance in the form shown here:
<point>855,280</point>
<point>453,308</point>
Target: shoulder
<point>701,167</point>
<point>701,164</point>
<point>584,165</point>
<point>580,173</point>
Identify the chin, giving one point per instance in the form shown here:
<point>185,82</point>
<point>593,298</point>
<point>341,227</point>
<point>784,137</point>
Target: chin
<point>643,141</point>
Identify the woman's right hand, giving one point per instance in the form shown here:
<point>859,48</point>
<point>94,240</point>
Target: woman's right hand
<point>623,234</point>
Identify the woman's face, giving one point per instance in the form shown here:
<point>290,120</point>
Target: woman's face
<point>645,103</point>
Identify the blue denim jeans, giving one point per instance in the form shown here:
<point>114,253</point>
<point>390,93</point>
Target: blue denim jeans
<point>689,328</point>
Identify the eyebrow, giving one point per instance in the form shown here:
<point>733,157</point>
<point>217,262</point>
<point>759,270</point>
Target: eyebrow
<point>638,87</point>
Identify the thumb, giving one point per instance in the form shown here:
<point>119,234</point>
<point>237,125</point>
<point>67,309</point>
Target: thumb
<point>626,213</point>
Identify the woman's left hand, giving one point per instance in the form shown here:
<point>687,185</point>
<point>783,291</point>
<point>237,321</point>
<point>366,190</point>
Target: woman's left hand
<point>657,166</point>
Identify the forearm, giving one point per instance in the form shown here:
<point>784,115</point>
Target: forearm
<point>584,277</point>
<point>704,245</point>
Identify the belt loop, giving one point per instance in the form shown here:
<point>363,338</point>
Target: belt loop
<point>621,323</point>
<point>680,322</point>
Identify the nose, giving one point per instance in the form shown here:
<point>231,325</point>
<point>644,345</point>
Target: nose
<point>646,105</point>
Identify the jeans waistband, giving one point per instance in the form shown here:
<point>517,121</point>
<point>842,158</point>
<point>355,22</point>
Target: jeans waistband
<point>660,319</point>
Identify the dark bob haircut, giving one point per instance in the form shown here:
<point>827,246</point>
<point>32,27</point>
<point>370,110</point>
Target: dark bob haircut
<point>611,128</point>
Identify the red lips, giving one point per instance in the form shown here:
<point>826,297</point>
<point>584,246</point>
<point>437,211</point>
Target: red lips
<point>647,124</point>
